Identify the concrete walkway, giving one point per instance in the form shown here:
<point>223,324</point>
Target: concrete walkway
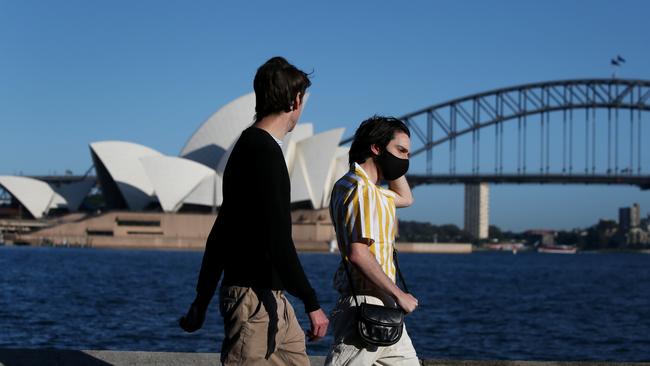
<point>53,357</point>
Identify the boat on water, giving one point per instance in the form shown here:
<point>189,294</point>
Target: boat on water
<point>557,249</point>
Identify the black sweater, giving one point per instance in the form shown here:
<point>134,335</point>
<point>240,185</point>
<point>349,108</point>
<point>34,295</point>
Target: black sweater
<point>250,241</point>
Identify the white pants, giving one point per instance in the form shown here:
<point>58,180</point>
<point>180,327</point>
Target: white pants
<point>349,350</point>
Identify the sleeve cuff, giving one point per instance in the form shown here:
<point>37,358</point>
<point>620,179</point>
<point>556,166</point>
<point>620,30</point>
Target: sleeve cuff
<point>202,300</point>
<point>311,302</point>
<point>366,241</point>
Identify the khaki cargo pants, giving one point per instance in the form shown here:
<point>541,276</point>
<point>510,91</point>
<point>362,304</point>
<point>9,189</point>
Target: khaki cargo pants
<point>246,322</point>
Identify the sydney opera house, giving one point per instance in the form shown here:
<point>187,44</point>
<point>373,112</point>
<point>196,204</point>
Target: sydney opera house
<point>149,198</point>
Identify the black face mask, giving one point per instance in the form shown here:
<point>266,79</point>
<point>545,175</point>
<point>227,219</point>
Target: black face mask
<point>391,166</point>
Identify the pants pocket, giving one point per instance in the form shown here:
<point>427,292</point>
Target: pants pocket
<point>234,305</point>
<point>231,300</point>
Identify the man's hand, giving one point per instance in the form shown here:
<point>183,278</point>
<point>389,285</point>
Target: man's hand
<point>403,195</point>
<point>407,302</point>
<point>193,320</point>
<point>319,325</point>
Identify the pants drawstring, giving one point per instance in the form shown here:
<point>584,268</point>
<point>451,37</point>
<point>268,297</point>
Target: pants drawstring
<point>271,306</point>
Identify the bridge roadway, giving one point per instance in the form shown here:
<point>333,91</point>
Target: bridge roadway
<point>642,181</point>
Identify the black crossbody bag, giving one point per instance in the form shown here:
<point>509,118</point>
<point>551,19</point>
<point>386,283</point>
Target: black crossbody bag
<point>378,325</point>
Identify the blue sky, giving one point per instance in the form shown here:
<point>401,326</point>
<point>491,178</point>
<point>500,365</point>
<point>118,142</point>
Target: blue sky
<point>73,72</point>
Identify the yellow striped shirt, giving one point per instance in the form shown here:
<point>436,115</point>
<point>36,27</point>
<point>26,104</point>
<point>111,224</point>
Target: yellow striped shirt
<point>363,212</point>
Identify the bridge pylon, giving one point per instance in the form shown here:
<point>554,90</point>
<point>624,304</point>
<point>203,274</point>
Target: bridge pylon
<point>477,210</point>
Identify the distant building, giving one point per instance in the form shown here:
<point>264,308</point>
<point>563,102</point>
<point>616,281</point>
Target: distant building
<point>477,206</point>
<point>607,227</point>
<point>624,218</point>
<point>635,215</point>
<point>637,236</point>
<point>645,223</point>
<point>629,217</point>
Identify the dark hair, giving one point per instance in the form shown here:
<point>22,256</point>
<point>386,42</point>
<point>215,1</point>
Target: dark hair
<point>376,130</point>
<point>276,84</point>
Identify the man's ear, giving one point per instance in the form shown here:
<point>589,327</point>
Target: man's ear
<point>297,103</point>
<point>375,149</point>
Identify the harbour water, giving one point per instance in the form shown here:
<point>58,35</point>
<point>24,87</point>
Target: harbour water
<point>589,306</point>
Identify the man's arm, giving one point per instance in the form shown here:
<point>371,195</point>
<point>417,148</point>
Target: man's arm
<point>209,275</point>
<point>211,269</point>
<point>365,261</point>
<point>403,195</point>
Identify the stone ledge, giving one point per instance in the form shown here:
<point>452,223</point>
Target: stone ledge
<point>528,363</point>
<point>56,357</point>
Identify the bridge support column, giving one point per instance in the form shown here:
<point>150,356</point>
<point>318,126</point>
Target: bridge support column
<point>477,210</point>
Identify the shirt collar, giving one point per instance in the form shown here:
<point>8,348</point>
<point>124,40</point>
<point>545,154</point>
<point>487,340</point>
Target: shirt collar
<point>277,140</point>
<point>358,170</point>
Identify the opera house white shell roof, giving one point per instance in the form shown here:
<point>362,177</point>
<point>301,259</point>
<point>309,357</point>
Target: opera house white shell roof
<point>36,196</point>
<point>216,135</point>
<point>207,193</point>
<point>312,166</point>
<point>121,160</point>
<point>135,177</point>
<point>174,179</point>
<point>143,175</point>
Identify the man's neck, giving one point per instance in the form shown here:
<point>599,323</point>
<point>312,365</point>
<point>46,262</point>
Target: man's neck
<point>370,168</point>
<point>276,125</point>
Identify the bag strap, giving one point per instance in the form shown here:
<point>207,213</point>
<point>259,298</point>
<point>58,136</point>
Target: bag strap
<point>349,274</point>
<point>399,273</point>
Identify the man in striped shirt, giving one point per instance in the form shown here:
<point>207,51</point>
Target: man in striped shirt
<point>364,218</point>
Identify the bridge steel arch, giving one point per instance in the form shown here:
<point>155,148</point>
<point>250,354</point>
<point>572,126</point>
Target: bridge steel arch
<point>514,102</point>
<point>470,114</point>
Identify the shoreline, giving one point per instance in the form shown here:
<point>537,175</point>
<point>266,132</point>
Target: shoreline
<point>312,231</point>
<point>403,247</point>
<point>301,247</point>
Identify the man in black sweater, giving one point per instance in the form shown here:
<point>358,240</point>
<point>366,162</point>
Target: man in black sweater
<point>251,242</point>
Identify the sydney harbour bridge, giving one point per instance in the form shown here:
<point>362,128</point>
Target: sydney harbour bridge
<point>583,131</point>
